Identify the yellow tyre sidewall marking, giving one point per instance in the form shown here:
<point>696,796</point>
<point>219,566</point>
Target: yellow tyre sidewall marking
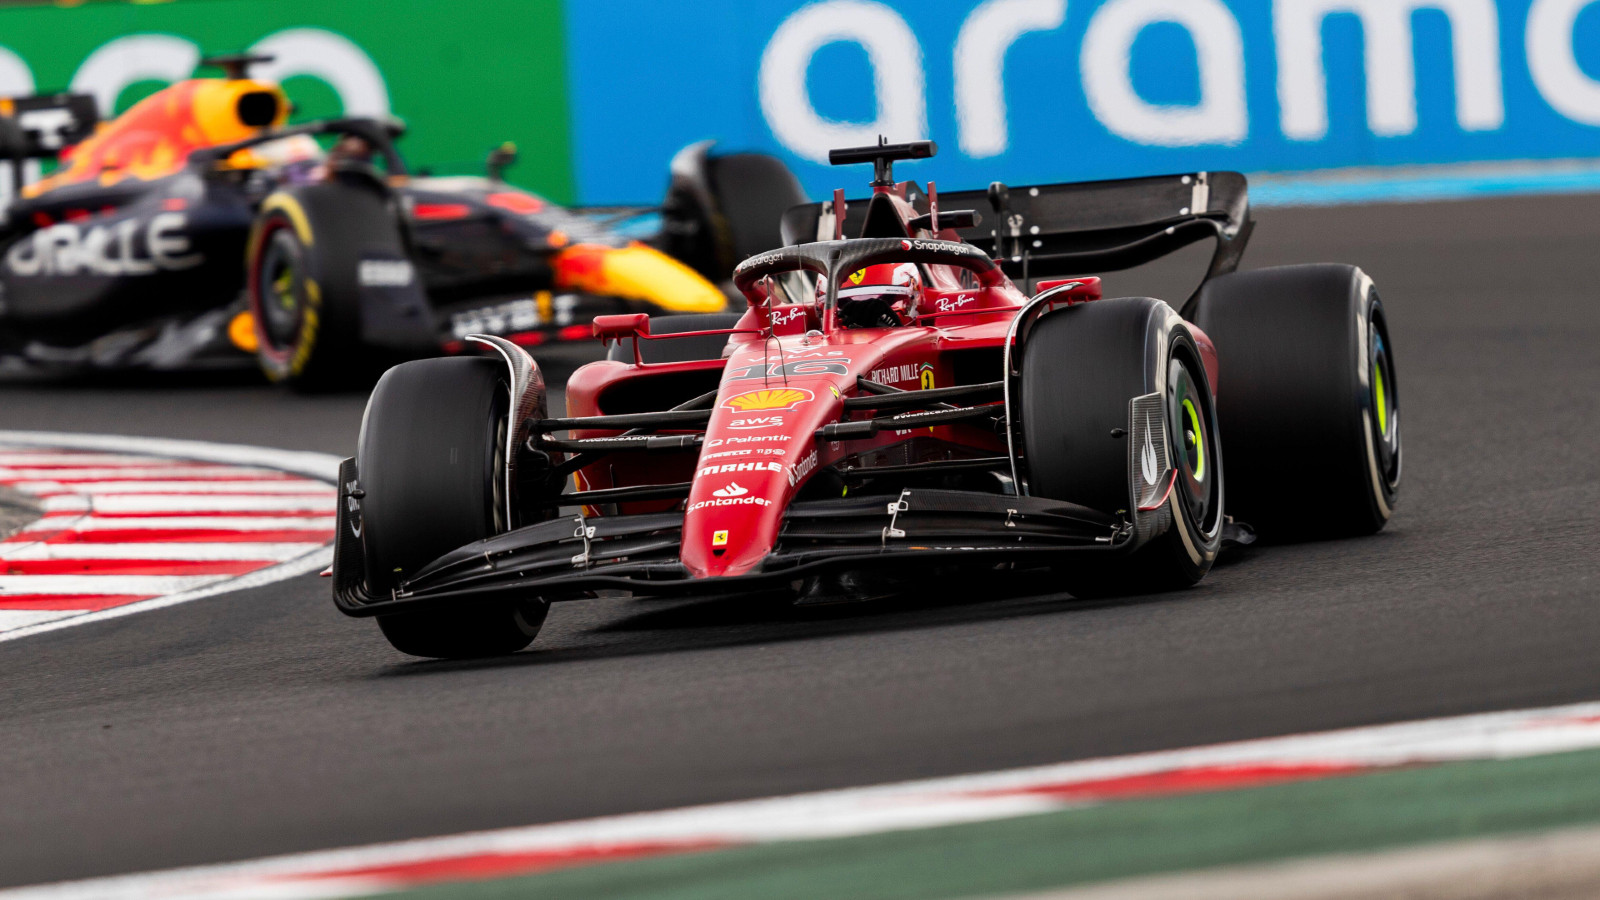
<point>289,206</point>
<point>310,321</point>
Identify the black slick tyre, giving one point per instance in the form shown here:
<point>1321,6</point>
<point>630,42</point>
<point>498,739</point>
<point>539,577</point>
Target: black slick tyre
<point>432,463</point>
<point>687,349</point>
<point>302,262</point>
<point>1115,409</point>
<point>1308,399</point>
<point>753,191</point>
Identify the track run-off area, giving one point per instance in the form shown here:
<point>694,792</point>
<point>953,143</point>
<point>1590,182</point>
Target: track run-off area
<point>256,723</point>
<point>837,816</point>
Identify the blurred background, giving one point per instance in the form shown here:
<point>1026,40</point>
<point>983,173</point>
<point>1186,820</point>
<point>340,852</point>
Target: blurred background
<point>599,94</point>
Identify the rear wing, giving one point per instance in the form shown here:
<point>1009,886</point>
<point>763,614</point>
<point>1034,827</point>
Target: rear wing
<point>1065,230</point>
<point>41,126</point>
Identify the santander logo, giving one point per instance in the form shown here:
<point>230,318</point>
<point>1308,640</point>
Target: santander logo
<point>732,490</point>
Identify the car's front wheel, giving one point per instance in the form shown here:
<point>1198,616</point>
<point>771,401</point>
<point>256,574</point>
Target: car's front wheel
<point>1116,414</point>
<point>432,458</point>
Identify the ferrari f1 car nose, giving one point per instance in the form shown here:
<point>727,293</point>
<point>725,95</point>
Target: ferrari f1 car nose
<point>759,449</point>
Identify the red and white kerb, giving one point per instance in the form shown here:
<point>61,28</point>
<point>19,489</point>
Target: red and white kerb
<point>121,528</point>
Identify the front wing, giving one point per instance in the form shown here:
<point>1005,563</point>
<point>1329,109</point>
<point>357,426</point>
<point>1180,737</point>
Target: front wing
<point>571,556</point>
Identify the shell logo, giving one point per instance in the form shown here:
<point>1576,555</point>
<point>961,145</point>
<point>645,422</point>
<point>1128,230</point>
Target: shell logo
<point>767,399</point>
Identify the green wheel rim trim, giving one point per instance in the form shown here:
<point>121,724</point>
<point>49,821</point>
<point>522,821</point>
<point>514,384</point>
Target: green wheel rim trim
<point>1383,399</point>
<point>284,286</point>
<point>1199,440</point>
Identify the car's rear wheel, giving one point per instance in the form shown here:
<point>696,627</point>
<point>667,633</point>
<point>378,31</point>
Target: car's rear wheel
<point>432,463</point>
<point>1309,400</point>
<point>1116,412</point>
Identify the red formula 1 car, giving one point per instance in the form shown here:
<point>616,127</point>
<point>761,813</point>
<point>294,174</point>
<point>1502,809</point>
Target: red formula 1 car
<point>892,406</point>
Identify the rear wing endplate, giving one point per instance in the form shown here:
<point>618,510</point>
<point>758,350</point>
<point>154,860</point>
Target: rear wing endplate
<point>1065,230</point>
<point>44,125</point>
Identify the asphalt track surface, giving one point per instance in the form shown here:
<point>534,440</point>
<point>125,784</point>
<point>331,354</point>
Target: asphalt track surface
<point>263,722</point>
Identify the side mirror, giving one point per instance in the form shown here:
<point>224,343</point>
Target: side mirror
<point>760,299</point>
<point>1071,291</point>
<point>500,159</point>
<point>617,328</point>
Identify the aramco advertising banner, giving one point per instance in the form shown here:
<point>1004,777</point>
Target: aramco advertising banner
<point>598,94</point>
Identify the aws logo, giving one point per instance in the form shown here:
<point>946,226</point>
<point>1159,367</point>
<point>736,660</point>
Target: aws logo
<point>767,399</point>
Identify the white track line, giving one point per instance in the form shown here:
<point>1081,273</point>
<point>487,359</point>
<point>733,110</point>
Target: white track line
<point>123,585</point>
<point>187,551</point>
<point>98,488</point>
<point>163,488</point>
<point>33,458</point>
<point>165,523</point>
<point>140,473</point>
<point>155,503</point>
<point>855,811</point>
<point>122,449</point>
<point>11,619</point>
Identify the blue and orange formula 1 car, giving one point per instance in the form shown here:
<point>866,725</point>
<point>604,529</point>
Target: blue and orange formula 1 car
<point>924,397</point>
<point>197,225</point>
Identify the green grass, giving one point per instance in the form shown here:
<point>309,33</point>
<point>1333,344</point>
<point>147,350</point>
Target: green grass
<point>1117,840</point>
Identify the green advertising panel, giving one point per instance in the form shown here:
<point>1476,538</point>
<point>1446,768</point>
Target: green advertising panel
<point>465,77</point>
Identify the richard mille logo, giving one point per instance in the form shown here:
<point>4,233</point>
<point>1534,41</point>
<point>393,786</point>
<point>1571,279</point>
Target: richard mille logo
<point>1147,456</point>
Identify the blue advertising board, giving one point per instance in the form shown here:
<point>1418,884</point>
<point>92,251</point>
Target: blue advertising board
<point>1033,91</point>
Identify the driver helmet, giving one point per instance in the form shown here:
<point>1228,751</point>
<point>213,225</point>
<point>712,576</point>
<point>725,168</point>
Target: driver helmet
<point>880,296</point>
